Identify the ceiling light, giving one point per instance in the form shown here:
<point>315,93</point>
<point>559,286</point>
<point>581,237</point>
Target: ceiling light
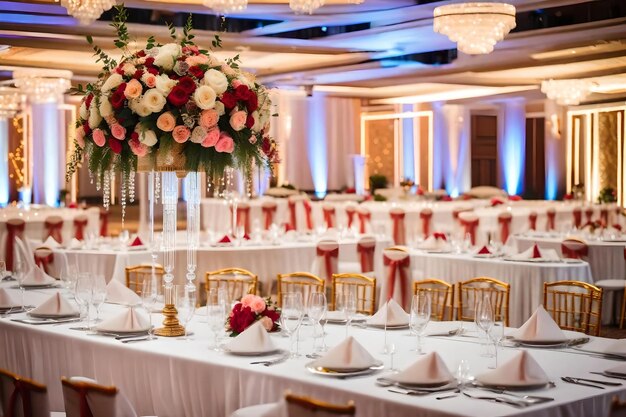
<point>87,11</point>
<point>42,85</point>
<point>567,92</point>
<point>475,27</point>
<point>226,6</point>
<point>305,6</point>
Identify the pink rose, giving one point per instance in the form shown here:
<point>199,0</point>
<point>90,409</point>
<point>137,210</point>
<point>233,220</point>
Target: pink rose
<point>209,118</point>
<point>118,131</point>
<point>267,323</point>
<point>225,143</point>
<point>247,300</point>
<point>227,70</point>
<point>211,138</point>
<point>80,137</point>
<point>111,120</point>
<point>258,305</point>
<point>133,89</point>
<point>196,60</point>
<point>238,120</point>
<point>137,147</point>
<point>236,83</point>
<point>252,139</point>
<point>149,79</point>
<point>181,134</point>
<point>98,137</point>
<point>166,122</point>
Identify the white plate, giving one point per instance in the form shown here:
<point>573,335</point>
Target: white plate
<point>437,250</point>
<point>34,287</point>
<point>389,326</point>
<point>339,317</point>
<point>344,373</point>
<point>514,386</point>
<point>485,255</point>
<point>53,316</point>
<point>434,386</point>
<point>104,330</point>
<point>257,353</point>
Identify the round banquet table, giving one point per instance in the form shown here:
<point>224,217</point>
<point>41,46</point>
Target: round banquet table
<point>526,278</point>
<point>173,377</point>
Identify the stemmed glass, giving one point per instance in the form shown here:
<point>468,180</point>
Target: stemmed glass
<point>149,295</point>
<point>291,317</point>
<point>216,313</point>
<point>186,305</point>
<point>496,334</point>
<point>420,316</point>
<point>3,270</point>
<point>240,232</point>
<point>69,275</point>
<point>484,320</point>
<point>19,273</point>
<point>316,310</point>
<point>84,295</point>
<point>347,304</point>
<point>99,294</point>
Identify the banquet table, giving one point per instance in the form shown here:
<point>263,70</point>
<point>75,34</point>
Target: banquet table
<point>526,278</point>
<point>174,377</point>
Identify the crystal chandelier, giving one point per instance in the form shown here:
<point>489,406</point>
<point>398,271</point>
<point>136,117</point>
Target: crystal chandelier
<point>475,27</point>
<point>226,6</point>
<point>305,6</point>
<point>10,101</point>
<point>567,92</point>
<point>42,85</point>
<point>87,11</point>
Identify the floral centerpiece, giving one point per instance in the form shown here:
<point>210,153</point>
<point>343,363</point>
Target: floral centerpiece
<point>250,309</point>
<point>607,195</point>
<point>173,107</point>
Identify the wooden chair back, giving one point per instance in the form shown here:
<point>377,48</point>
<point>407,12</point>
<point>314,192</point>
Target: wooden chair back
<point>364,288</point>
<point>574,305</point>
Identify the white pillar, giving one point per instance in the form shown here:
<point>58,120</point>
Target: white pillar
<point>452,151</point>
<point>512,145</point>
<point>48,144</point>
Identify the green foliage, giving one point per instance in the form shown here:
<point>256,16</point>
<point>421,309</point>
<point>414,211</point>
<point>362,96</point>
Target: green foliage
<point>74,162</point>
<point>607,195</point>
<point>217,42</point>
<point>187,29</point>
<point>119,24</point>
<point>377,181</point>
<point>378,197</point>
<point>172,30</point>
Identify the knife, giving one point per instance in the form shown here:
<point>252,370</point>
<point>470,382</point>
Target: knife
<point>595,381</point>
<point>574,381</point>
<point>609,375</point>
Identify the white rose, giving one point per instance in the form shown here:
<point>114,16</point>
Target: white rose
<point>138,106</point>
<point>147,137</point>
<point>129,69</point>
<point>113,81</point>
<point>246,81</point>
<point>204,96</point>
<point>94,117</point>
<point>166,58</point>
<point>198,134</point>
<point>84,114</point>
<point>164,84</point>
<point>257,121</point>
<point>153,100</point>
<point>216,80</point>
<point>219,108</point>
<point>106,109</point>
<point>214,62</point>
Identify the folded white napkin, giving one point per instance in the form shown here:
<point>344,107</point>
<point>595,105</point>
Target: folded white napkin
<point>349,355</point>
<point>128,321</point>
<point>608,346</point>
<point>55,306</point>
<point>540,327</point>
<point>252,340</point>
<point>535,252</point>
<point>37,277</point>
<point>432,243</point>
<point>75,244</point>
<point>6,300</point>
<point>51,243</point>
<point>520,370</point>
<point>119,293</point>
<point>427,370</point>
<point>393,312</point>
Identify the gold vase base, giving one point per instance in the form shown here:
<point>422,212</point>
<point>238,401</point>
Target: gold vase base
<point>171,325</point>
<point>170,331</point>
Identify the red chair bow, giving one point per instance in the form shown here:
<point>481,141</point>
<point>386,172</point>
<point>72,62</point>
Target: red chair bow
<point>577,214</point>
<point>397,220</point>
<point>365,248</point>
<point>330,253</point>
<point>532,220</point>
<point>588,215</point>
<point>364,218</point>
<point>551,214</point>
<point>292,214</point>
<point>496,202</point>
<point>307,212</point>
<point>350,211</point>
<point>23,390</point>
<point>80,223</point>
<point>54,225</point>
<point>269,211</point>
<point>43,258</point>
<point>617,227</point>
<point>243,216</point>
<point>104,222</point>
<point>329,215</point>
<point>574,249</point>
<point>504,219</point>
<point>439,235</point>
<point>469,227</point>
<point>426,215</point>
<point>397,268</point>
<point>15,228</point>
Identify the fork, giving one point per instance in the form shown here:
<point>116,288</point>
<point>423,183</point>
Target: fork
<point>578,382</point>
<point>503,400</point>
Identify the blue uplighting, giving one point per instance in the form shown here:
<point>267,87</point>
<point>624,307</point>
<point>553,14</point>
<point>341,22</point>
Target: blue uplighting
<point>513,146</point>
<point>316,145</point>
<point>408,144</point>
<point>4,166</point>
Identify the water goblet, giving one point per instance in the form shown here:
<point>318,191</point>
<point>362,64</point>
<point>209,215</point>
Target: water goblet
<point>496,334</point>
<point>84,295</point>
<point>216,313</point>
<point>316,309</point>
<point>149,297</point>
<point>185,305</point>
<point>420,316</point>
<point>99,294</point>
<point>484,318</point>
<point>19,273</point>
<point>291,318</point>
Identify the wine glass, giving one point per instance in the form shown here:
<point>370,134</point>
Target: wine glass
<point>149,295</point>
<point>186,305</point>
<point>3,270</point>
<point>291,317</point>
<point>496,334</point>
<point>347,305</point>
<point>390,348</point>
<point>420,316</point>
<point>316,309</point>
<point>84,294</point>
<point>99,294</point>
<point>484,320</point>
<point>240,232</point>
<point>216,313</point>
<point>19,273</point>
<point>69,275</point>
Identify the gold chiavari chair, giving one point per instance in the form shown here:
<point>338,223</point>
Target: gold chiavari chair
<point>22,396</point>
<point>302,282</point>
<point>365,290</point>
<point>441,297</point>
<point>237,281</point>
<point>475,289</point>
<point>574,305</point>
<point>306,406</point>
<point>135,276</point>
<point>87,398</point>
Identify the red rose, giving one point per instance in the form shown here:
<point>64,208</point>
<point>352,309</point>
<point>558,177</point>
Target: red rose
<point>253,102</point>
<point>117,98</point>
<point>272,314</point>
<point>242,92</point>
<point>249,121</point>
<point>178,96</point>
<point>242,318</point>
<point>152,70</point>
<point>119,70</point>
<point>115,145</point>
<point>134,136</point>
<point>88,100</point>
<point>196,71</point>
<point>149,62</point>
<point>137,75</point>
<point>87,128</point>
<point>141,54</point>
<point>229,100</point>
<point>266,146</point>
<point>187,84</point>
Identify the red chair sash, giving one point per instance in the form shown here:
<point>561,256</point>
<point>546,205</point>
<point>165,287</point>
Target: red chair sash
<point>350,214</point>
<point>268,213</point>
<point>470,226</point>
<point>364,219</point>
<point>366,254</point>
<point>243,217</point>
<point>44,261</point>
<point>307,212</point>
<point>23,391</point>
<point>329,215</point>
<point>425,216</point>
<point>577,214</point>
<point>588,215</point>
<point>104,223</point>
<point>13,230</point>
<point>532,221</point>
<point>328,255</point>
<point>574,249</point>
<point>397,268</point>
<point>617,227</point>
<point>79,228</point>
<point>292,214</point>
<point>505,226</point>
<point>551,219</point>
<point>397,219</point>
<point>54,228</point>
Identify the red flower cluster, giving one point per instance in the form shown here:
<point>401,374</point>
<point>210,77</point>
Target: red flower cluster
<point>118,98</point>
<point>241,94</point>
<point>241,318</point>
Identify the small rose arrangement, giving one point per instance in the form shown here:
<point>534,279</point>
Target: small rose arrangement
<point>250,309</point>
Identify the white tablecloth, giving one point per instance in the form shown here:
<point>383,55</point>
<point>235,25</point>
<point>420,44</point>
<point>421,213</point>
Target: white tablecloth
<point>174,378</point>
<point>526,278</point>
